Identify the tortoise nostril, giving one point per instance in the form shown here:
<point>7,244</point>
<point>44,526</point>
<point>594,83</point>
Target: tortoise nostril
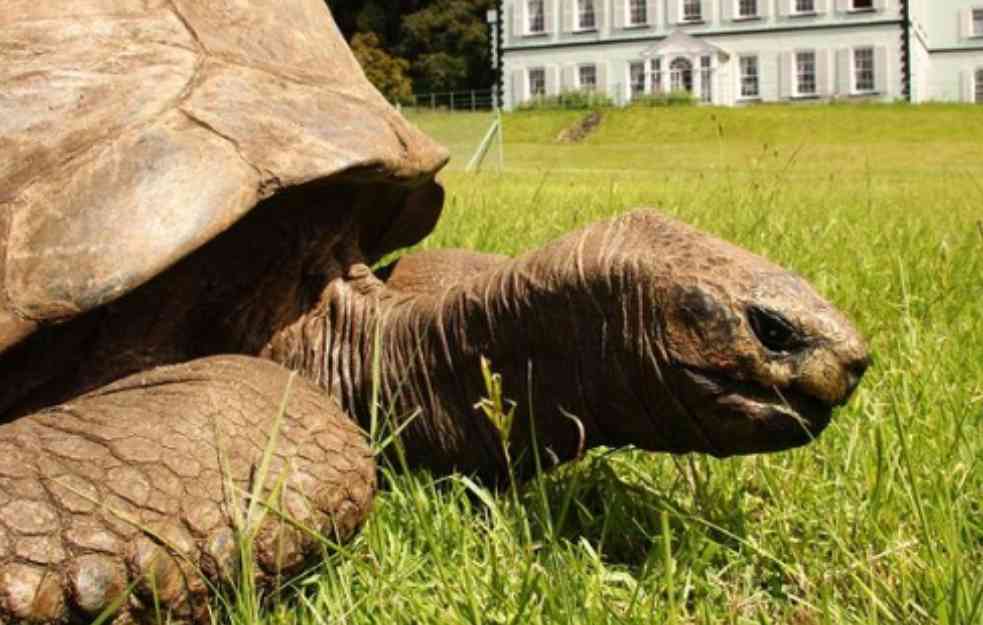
<point>859,366</point>
<point>855,371</point>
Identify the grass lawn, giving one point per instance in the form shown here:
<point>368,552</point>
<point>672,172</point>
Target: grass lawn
<point>880,521</point>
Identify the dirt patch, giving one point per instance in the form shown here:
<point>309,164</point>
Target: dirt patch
<point>579,131</point>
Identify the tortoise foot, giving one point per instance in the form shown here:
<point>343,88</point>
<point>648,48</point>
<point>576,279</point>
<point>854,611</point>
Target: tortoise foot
<point>137,499</point>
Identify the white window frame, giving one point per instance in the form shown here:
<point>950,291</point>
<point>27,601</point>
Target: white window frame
<point>529,30</point>
<point>632,93</point>
<point>529,84</point>
<point>706,79</point>
<point>629,15</point>
<point>580,81</point>
<point>978,85</point>
<point>580,11</point>
<point>799,93</point>
<point>854,73</point>
<point>795,10</point>
<point>739,10</point>
<point>656,76</point>
<point>741,77</point>
<point>862,9</point>
<point>699,12</point>
<point>973,23</point>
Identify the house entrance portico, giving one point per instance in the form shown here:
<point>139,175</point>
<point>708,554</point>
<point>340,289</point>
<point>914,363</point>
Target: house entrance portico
<point>682,62</point>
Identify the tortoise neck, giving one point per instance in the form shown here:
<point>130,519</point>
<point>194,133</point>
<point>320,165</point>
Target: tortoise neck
<point>375,350</point>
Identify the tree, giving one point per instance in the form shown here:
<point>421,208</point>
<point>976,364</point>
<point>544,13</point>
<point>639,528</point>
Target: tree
<point>447,42</point>
<point>384,70</point>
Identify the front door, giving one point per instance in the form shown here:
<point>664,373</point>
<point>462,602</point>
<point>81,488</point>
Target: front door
<point>681,75</point>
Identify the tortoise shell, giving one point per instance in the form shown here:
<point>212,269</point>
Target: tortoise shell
<point>134,132</point>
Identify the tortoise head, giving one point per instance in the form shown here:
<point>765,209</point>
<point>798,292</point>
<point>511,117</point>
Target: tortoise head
<point>754,359</point>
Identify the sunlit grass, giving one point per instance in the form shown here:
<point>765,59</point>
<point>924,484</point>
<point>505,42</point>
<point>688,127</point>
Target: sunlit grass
<point>880,521</point>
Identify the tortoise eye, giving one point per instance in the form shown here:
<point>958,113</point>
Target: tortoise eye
<point>773,330</point>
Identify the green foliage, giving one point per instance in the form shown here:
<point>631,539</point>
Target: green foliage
<point>448,42</point>
<point>385,71</point>
<point>671,98</point>
<point>580,100</point>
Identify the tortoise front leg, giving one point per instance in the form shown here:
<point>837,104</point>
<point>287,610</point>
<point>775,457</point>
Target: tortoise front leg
<point>137,495</point>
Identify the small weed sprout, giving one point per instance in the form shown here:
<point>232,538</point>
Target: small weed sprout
<point>500,411</point>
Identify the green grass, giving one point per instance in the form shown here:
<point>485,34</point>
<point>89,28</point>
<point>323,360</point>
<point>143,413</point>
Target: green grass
<point>878,522</point>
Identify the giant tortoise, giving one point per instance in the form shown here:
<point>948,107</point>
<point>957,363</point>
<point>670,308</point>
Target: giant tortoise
<point>192,198</point>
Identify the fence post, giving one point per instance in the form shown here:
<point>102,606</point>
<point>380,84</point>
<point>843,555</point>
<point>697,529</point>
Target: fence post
<point>452,101</point>
<point>433,101</point>
<point>472,101</point>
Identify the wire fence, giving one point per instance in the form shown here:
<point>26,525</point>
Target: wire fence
<point>450,101</point>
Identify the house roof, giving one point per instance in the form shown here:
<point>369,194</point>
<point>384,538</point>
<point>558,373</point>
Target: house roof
<point>682,43</point>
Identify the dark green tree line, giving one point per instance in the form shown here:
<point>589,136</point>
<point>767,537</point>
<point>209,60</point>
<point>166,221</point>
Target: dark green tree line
<point>439,45</point>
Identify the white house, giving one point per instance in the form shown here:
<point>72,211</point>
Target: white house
<point>729,52</point>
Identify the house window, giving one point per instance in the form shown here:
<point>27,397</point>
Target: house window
<point>747,8</point>
<point>706,80</point>
<point>637,12</point>
<point>586,18</point>
<point>655,79</point>
<point>805,73</point>
<point>978,22</point>
<point>691,11</point>
<point>863,5</point>
<point>979,86</point>
<point>537,82</point>
<point>587,77</point>
<point>636,78</point>
<point>863,69</point>
<point>750,86</point>
<point>537,17</point>
<point>805,6</point>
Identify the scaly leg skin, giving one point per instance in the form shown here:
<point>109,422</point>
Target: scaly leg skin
<point>137,485</point>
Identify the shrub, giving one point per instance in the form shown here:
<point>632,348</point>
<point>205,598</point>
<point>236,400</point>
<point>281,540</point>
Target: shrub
<point>671,98</point>
<point>580,100</point>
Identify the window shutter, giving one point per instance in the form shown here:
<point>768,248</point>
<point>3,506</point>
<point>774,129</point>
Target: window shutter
<point>784,7</point>
<point>706,10</point>
<point>602,77</point>
<point>786,73</point>
<point>823,81</point>
<point>880,5</point>
<point>843,82</point>
<point>567,22</point>
<point>842,6</point>
<point>599,14</point>
<point>518,90</point>
<point>516,19</point>
<point>881,70</point>
<point>965,23</point>
<point>551,79</point>
<point>566,79</point>
<point>674,12</point>
<point>820,6</point>
<point>618,19</point>
<point>548,13</point>
<point>727,11</point>
<point>651,12</point>
<point>764,7</point>
<point>966,86</point>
